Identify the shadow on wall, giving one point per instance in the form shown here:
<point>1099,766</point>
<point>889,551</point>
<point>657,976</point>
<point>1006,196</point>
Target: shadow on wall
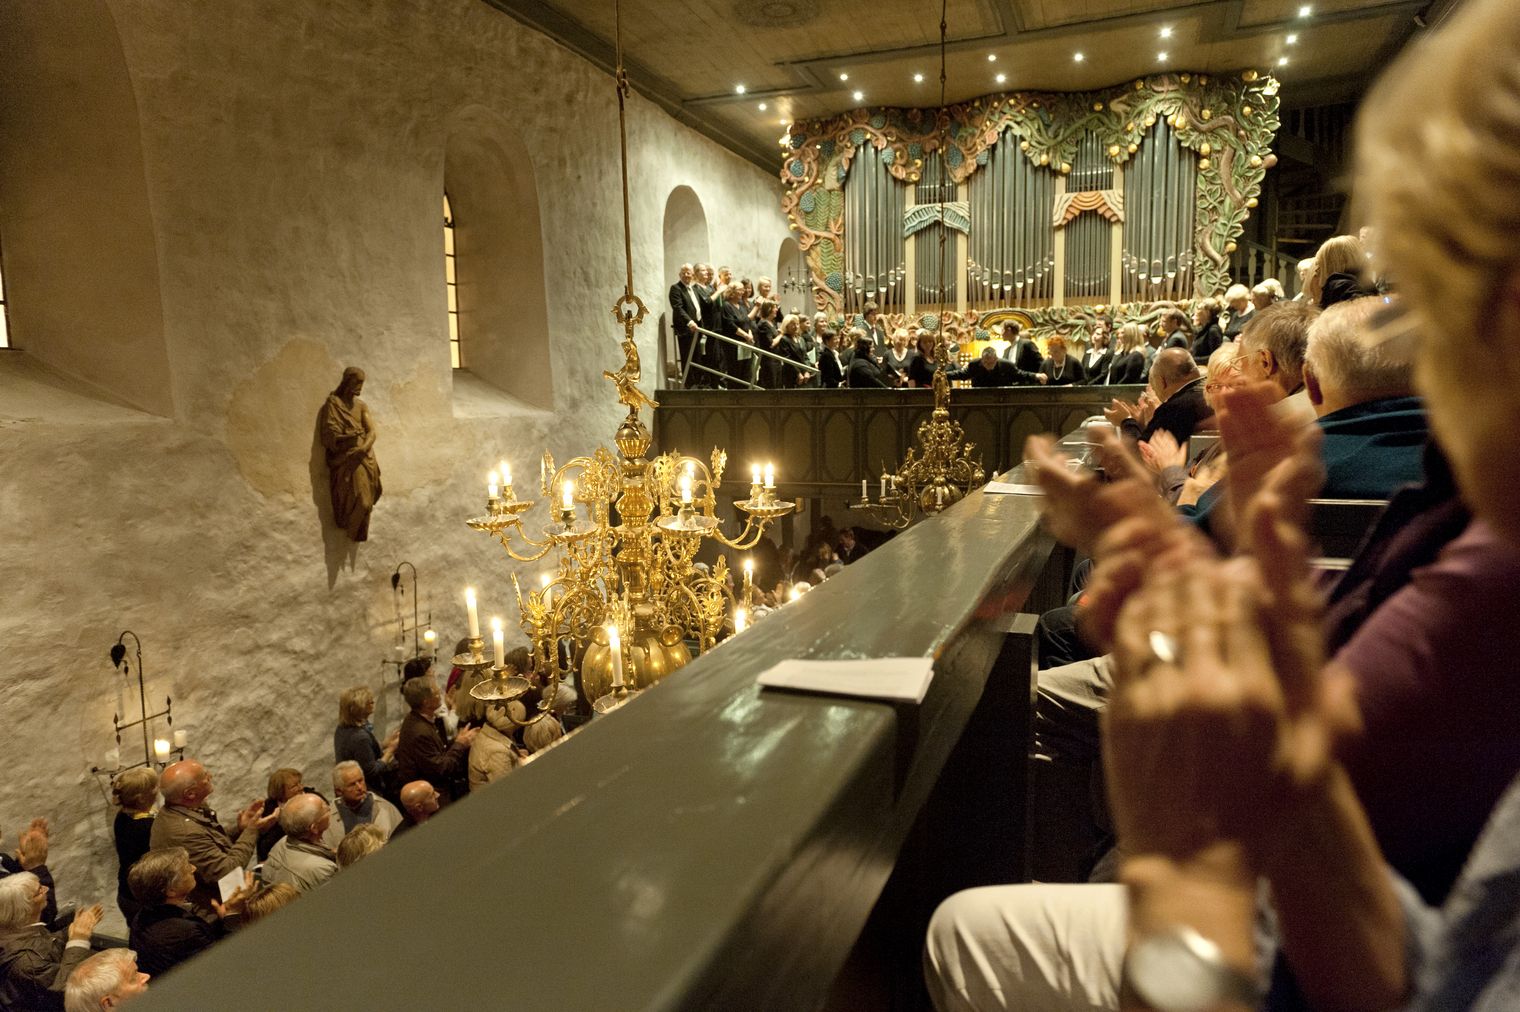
<point>336,548</point>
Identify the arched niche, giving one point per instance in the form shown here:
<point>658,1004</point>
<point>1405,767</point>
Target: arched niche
<point>81,256</point>
<point>790,264</point>
<point>499,257</point>
<point>685,232</point>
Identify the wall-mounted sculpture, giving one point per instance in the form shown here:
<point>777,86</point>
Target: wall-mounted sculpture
<point>348,435</point>
<point>1223,125</point>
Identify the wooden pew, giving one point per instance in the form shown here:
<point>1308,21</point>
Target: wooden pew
<point>1339,525</point>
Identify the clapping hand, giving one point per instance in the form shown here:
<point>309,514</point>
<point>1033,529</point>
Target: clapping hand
<point>1162,451</point>
<point>83,925</point>
<point>234,904</point>
<point>1079,508</point>
<point>1117,411</point>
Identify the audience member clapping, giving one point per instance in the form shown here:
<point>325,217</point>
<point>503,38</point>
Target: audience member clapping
<point>354,738</point>
<point>166,932</point>
<point>32,855</point>
<point>35,962</point>
<point>422,752</point>
<point>301,860</point>
<point>186,821</point>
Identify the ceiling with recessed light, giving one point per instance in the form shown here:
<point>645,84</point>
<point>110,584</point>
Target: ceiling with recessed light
<point>740,70</point>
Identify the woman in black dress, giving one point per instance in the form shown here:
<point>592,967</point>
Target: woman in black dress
<point>767,337</point>
<point>921,367</point>
<point>135,791</point>
<point>1059,368</point>
<point>1206,326</point>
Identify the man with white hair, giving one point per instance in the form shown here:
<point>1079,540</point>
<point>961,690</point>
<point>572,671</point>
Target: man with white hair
<point>35,963</point>
<point>1362,390</point>
<point>356,805</point>
<point>300,859</point>
<point>104,981</point>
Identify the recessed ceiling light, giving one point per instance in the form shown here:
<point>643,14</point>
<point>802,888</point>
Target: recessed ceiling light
<point>918,79</point>
<point>844,77</point>
<point>1001,78</point>
<point>1291,39</point>
<point>992,57</point>
<point>1166,31</point>
<point>1078,57</point>
<point>763,107</point>
<point>860,96</point>
<point>739,89</point>
<point>1161,57</point>
<point>1282,61</point>
<point>1305,11</point>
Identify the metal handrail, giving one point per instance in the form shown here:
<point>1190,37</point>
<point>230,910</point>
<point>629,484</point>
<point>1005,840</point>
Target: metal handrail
<point>692,362</point>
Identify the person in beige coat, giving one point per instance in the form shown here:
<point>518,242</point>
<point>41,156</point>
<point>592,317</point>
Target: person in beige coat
<point>493,753</point>
<point>186,821</point>
<point>300,860</point>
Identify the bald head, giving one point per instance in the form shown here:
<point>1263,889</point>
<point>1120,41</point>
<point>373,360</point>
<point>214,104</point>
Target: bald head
<point>420,799</point>
<point>185,783</point>
<point>1173,369</point>
<point>304,817</point>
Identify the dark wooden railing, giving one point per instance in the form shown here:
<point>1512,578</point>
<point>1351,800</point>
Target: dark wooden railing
<point>822,441</point>
<point>713,845</point>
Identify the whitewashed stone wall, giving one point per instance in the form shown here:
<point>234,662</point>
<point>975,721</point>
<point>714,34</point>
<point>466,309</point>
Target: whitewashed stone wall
<point>293,154</point>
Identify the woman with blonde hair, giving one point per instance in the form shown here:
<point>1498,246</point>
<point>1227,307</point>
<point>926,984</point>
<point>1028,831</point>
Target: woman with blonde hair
<point>354,739</point>
<point>1128,364</point>
<point>1339,273</point>
<point>135,792</point>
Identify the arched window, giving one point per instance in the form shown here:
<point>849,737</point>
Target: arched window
<point>452,281</point>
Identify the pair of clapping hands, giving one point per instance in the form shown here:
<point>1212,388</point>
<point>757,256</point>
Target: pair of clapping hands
<point>1141,411</point>
<point>1223,712</point>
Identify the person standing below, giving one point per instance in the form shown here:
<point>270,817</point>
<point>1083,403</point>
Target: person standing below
<point>104,981</point>
<point>422,753</point>
<point>420,801</point>
<point>186,821</point>
<point>348,435</point>
<point>355,805</point>
<point>685,317</point>
<point>301,860</point>
<point>35,963</point>
<point>354,738</point>
<point>1060,369</point>
<point>165,932</point>
<point>135,791</point>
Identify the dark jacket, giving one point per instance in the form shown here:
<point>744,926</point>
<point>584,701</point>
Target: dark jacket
<point>921,372</point>
<point>1070,372</point>
<point>1025,356</point>
<point>1098,371</point>
<point>132,842</point>
<point>865,373</point>
<point>1127,368</point>
<point>1342,288</point>
<point>1003,374</point>
<point>1177,340</point>
<point>682,313</point>
<point>167,934</point>
<point>830,372</point>
<point>1207,342</point>
<point>35,964</point>
<point>358,744</point>
<point>422,754</point>
<point>1373,448</point>
<point>1180,415</point>
<point>10,865</point>
<point>1237,323</point>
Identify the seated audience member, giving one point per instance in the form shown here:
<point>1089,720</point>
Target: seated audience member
<point>1266,293</point>
<point>420,801</point>
<point>1060,369</point>
<point>1362,388</point>
<point>1303,269</point>
<point>166,932</point>
<point>360,842</point>
<point>186,821</point>
<point>830,369</point>
<point>31,856</point>
<point>849,547</point>
<point>35,963</point>
<point>921,366</point>
<point>135,792</point>
<point>1340,272</point>
<point>266,899</point>
<point>1238,306</point>
<point>1180,407</point>
<point>284,783</point>
<point>863,370</point>
<point>104,981</point>
<point>354,737</point>
<point>1272,350</point>
<point>1173,331</point>
<point>1099,354</point>
<point>1207,335</point>
<point>1180,482</point>
<point>991,371</point>
<point>354,804</point>
<point>1127,365</point>
<point>301,860</point>
<point>421,752</point>
<point>494,754</point>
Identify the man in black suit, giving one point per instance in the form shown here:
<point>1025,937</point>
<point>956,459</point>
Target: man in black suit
<point>830,369</point>
<point>1178,386</point>
<point>875,328</point>
<point>863,371</point>
<point>685,317</point>
<point>990,371</point>
<point>1022,352</point>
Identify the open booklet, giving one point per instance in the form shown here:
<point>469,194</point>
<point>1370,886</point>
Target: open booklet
<point>903,679</point>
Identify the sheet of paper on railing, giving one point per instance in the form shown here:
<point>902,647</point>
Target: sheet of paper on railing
<point>901,679</point>
<point>1011,488</point>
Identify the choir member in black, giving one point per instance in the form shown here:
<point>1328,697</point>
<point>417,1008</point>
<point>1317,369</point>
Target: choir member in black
<point>991,371</point>
<point>1241,306</point>
<point>1128,364</point>
<point>1022,352</point>
<point>1174,329</point>
<point>921,368</point>
<point>685,318</point>
<point>898,357</point>
<point>1207,334</point>
<point>1059,368</point>
<point>863,371</point>
<point>790,344</point>
<point>715,356</point>
<point>1099,353</point>
<point>875,329</point>
<point>735,326</point>
<point>767,337</point>
<point>830,369</point>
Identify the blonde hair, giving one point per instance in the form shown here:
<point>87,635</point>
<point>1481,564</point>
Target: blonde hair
<point>1438,169</point>
<point>1131,336</point>
<point>1341,254</point>
<point>1236,292</point>
<point>353,706</point>
<point>265,900</point>
<point>361,841</point>
<point>136,789</point>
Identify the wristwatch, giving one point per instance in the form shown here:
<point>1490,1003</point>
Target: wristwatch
<point>1179,970</point>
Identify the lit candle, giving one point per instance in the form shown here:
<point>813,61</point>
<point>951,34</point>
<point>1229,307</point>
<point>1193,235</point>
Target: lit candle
<point>864,495</point>
<point>469,607</point>
<point>181,739</point>
<point>569,495</point>
<point>430,638</point>
<point>506,474</point>
<point>883,486</point>
<point>544,579</point>
<point>741,620</point>
<point>754,475</point>
<point>615,645</point>
<point>491,486</point>
<point>749,573</point>
<point>161,748</point>
<point>543,475</point>
<point>796,593</point>
<point>770,476</point>
<point>498,645</point>
<point>685,490</point>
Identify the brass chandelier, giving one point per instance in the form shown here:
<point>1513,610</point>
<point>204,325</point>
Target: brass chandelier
<point>626,602</point>
<point>940,470</point>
